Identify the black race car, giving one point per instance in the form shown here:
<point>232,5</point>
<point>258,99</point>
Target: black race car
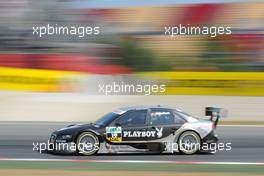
<point>139,129</point>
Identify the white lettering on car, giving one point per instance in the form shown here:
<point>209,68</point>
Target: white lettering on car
<point>158,132</point>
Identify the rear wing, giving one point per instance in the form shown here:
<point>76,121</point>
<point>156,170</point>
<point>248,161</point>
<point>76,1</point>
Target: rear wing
<point>215,113</point>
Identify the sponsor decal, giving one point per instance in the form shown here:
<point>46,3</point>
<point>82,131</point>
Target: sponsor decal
<point>114,134</point>
<point>160,113</point>
<point>144,134</point>
<point>159,132</point>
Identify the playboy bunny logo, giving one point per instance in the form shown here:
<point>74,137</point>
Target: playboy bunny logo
<point>159,132</point>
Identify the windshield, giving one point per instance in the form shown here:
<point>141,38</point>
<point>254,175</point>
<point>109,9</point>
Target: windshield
<point>186,116</point>
<point>106,119</point>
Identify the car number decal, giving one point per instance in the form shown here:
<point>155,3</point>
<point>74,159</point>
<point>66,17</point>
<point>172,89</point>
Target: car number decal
<point>114,134</point>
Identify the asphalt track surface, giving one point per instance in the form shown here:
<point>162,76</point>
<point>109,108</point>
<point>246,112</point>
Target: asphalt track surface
<point>16,141</point>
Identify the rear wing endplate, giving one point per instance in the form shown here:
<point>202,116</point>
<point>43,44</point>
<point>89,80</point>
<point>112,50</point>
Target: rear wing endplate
<point>215,113</point>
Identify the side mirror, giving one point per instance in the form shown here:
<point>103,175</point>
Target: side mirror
<point>117,124</point>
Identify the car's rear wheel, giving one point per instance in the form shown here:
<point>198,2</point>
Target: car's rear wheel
<point>189,142</point>
<point>87,143</point>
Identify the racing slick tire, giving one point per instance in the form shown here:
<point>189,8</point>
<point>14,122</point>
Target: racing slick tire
<point>189,143</point>
<point>87,144</point>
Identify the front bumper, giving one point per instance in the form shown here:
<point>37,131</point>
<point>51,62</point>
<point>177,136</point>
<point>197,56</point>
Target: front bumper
<point>57,145</point>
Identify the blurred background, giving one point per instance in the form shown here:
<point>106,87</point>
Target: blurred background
<point>56,78</point>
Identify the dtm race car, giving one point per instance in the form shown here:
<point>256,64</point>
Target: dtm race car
<point>140,129</point>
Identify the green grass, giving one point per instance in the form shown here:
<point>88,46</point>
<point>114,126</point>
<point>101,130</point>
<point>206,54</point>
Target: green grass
<point>54,165</point>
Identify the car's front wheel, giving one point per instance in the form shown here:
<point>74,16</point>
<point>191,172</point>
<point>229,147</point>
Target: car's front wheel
<point>189,142</point>
<point>87,143</point>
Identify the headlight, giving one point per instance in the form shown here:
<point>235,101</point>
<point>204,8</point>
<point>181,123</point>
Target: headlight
<point>66,136</point>
<point>52,137</point>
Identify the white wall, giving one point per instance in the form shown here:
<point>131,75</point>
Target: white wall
<point>17,106</point>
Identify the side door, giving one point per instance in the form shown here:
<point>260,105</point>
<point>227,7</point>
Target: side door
<point>130,127</point>
<point>164,122</point>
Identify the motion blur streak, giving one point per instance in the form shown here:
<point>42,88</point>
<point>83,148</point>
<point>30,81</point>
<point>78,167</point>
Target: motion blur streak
<point>132,40</point>
<point>210,83</point>
<point>38,80</point>
<point>52,81</point>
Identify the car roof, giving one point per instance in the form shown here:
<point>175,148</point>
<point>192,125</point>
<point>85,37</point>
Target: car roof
<point>128,108</point>
<point>122,110</point>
